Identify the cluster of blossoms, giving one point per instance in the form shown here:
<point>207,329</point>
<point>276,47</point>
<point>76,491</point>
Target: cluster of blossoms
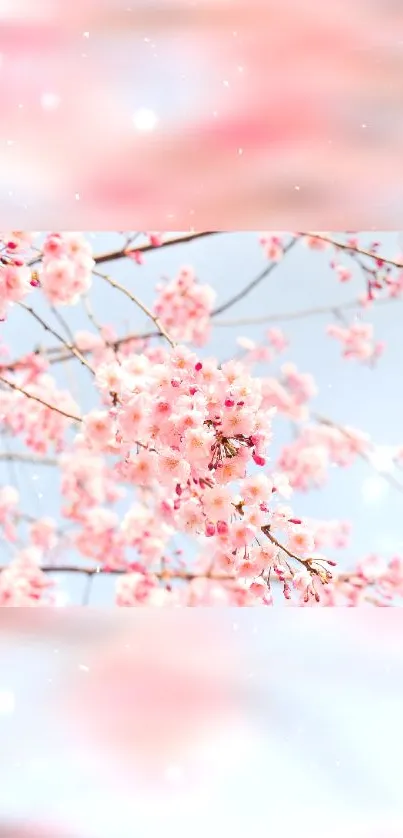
<point>184,307</point>
<point>307,459</point>
<point>65,272</point>
<point>179,446</point>
<point>67,266</point>
<point>289,394</point>
<point>15,276</point>
<point>357,341</point>
<point>273,247</point>
<point>86,482</point>
<point>259,352</point>
<point>373,582</point>
<point>192,433</point>
<point>9,499</point>
<point>23,584</point>
<point>330,533</point>
<point>40,427</point>
<point>381,279</point>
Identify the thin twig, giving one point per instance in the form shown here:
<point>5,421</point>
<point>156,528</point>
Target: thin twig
<point>39,400</point>
<point>63,323</point>
<point>251,285</point>
<point>91,316</point>
<point>70,346</point>
<point>140,305</point>
<point>300,315</point>
<point>13,456</point>
<point>266,531</point>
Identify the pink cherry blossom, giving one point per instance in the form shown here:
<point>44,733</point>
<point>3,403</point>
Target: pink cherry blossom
<point>300,541</point>
<point>184,306</point>
<point>15,284</point>
<point>357,341</point>
<point>179,475</point>
<point>67,268</point>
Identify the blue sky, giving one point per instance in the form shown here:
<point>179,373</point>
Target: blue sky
<point>349,392</point>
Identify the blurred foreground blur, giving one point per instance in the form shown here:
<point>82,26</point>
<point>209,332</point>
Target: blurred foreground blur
<point>132,724</point>
<point>178,115</point>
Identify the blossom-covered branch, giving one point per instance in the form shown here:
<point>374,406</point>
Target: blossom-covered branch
<point>167,476</point>
<point>352,246</point>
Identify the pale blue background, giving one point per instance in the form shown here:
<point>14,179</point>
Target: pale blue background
<point>349,392</point>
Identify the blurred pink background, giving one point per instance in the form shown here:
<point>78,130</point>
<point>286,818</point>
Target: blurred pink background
<point>114,725</point>
<point>176,115</point>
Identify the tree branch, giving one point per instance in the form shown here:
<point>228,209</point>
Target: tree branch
<point>353,249</point>
<point>147,248</point>
<point>251,285</point>
<point>140,305</point>
<point>12,456</point>
<point>300,315</point>
<point>165,575</point>
<point>121,253</point>
<point>69,346</point>
<point>223,307</point>
<point>63,323</point>
<point>40,401</point>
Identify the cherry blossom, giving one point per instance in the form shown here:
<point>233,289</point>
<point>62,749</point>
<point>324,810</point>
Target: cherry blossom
<point>357,341</point>
<point>172,442</point>
<point>184,306</point>
<point>66,267</point>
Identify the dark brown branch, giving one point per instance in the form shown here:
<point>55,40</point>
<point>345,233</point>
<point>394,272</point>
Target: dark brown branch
<point>121,253</point>
<point>353,249</point>
<point>147,248</point>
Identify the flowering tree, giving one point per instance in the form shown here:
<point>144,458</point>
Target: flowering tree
<point>181,439</point>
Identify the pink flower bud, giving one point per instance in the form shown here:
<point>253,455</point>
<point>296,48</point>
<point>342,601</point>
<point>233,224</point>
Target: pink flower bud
<point>155,240</point>
<point>222,528</point>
